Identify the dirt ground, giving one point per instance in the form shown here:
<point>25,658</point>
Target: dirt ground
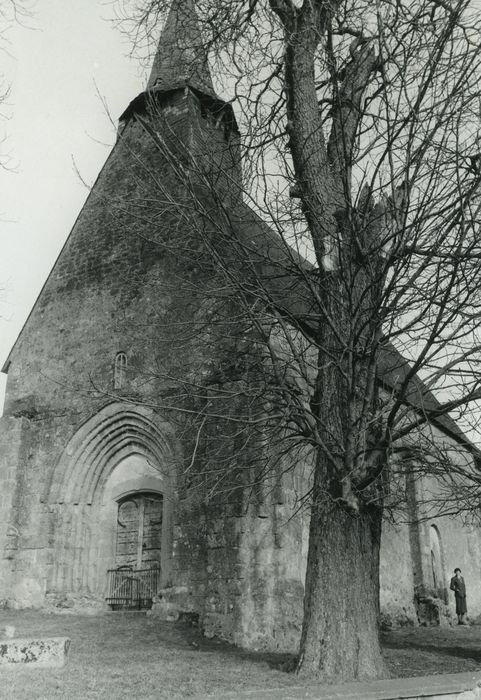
<point>130,655</point>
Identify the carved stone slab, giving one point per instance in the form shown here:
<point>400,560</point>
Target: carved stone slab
<point>48,653</point>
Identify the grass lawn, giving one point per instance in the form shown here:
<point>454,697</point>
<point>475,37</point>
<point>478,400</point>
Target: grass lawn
<point>129,655</point>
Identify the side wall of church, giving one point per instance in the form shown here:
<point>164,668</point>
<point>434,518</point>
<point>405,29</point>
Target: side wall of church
<point>461,547</point>
<point>245,578</point>
<point>447,542</point>
<point>396,576</point>
<point>421,549</point>
<point>240,553</point>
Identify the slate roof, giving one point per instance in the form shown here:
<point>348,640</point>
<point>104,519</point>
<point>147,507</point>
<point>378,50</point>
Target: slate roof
<point>394,370</point>
<point>286,275</point>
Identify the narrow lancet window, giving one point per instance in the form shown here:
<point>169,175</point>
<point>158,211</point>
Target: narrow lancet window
<point>120,368</point>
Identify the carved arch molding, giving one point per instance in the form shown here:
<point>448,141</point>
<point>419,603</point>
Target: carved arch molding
<point>83,495</point>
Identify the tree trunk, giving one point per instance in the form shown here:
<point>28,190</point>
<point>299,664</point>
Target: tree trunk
<point>340,636</point>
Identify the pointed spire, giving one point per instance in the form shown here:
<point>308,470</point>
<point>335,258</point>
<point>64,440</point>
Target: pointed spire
<point>181,58</point>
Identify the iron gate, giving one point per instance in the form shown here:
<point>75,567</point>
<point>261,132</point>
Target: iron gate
<point>132,589</point>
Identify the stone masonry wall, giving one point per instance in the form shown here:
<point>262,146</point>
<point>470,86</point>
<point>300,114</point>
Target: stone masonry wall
<point>420,551</point>
<point>125,281</point>
<point>396,576</point>
<point>13,455</point>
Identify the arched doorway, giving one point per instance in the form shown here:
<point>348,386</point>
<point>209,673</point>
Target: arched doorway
<point>124,459</point>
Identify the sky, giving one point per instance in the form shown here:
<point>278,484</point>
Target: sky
<point>60,64</point>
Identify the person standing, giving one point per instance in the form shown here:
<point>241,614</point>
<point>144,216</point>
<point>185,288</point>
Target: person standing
<point>459,588</point>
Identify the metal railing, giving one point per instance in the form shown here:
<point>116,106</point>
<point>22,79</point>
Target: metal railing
<point>132,589</point>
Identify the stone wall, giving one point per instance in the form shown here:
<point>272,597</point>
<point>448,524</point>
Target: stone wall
<point>241,573</point>
<point>459,538</point>
<point>126,281</point>
<point>428,536</point>
<point>13,457</point>
<point>396,576</point>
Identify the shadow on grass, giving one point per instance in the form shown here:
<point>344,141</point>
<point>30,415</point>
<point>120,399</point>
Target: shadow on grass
<point>275,660</point>
<point>457,651</point>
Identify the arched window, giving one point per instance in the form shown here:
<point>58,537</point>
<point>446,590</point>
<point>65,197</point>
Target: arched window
<point>120,368</point>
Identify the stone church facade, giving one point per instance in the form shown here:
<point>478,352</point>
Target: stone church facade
<point>95,464</point>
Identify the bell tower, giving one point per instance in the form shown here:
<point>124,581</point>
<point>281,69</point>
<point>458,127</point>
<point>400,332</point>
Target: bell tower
<point>181,110</point>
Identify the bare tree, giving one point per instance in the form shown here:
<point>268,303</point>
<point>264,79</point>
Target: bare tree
<point>360,126</point>
<point>11,12</point>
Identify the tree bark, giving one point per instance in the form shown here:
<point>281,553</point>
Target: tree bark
<point>340,637</point>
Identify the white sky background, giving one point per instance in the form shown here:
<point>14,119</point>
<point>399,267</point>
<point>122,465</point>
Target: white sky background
<point>53,116</point>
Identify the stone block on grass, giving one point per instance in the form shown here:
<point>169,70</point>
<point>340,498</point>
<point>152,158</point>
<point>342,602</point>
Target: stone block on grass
<point>39,653</point>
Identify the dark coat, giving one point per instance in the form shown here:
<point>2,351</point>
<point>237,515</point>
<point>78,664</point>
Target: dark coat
<point>459,587</point>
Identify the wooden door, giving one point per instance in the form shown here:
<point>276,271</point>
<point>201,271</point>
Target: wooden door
<point>139,532</point>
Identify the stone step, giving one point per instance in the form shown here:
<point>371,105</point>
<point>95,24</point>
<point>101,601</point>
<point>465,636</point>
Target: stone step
<point>455,686</point>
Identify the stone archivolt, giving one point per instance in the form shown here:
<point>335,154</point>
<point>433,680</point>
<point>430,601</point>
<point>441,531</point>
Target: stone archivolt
<point>101,443</point>
<point>84,496</point>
